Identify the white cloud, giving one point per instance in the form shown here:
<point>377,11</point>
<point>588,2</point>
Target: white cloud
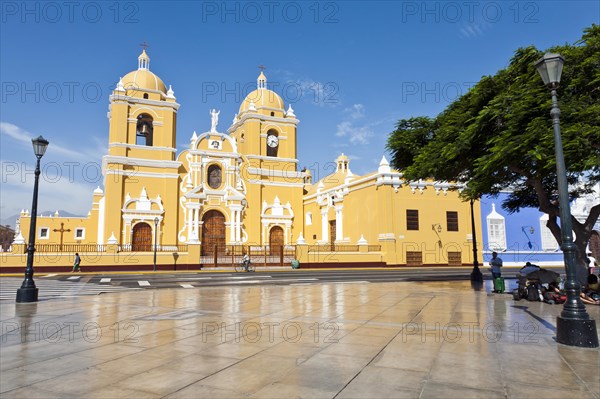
<point>67,177</point>
<point>356,111</point>
<point>356,134</point>
<point>473,30</point>
<point>55,192</point>
<point>23,137</point>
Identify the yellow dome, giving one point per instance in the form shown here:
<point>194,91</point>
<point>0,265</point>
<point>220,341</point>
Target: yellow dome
<point>143,79</point>
<point>262,98</point>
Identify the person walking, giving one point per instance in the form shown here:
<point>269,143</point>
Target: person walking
<point>77,263</point>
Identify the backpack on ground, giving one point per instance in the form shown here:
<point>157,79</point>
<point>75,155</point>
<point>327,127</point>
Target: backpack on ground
<point>533,293</point>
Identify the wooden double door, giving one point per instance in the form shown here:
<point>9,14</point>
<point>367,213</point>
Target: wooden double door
<point>213,233</point>
<point>141,240</point>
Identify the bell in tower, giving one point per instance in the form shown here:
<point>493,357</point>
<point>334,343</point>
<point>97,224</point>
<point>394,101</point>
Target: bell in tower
<point>144,130</point>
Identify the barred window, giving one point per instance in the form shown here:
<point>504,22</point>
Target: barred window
<point>451,221</point>
<point>412,219</point>
<point>454,258</point>
<point>414,258</point>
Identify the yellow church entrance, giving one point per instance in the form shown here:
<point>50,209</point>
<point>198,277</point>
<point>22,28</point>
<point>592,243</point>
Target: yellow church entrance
<point>213,233</point>
<point>141,240</point>
<point>276,241</point>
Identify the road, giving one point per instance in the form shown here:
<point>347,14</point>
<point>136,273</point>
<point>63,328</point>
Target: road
<point>66,285</point>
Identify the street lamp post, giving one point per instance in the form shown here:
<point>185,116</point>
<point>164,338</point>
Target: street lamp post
<point>155,235</point>
<point>476,275</point>
<point>28,291</point>
<point>574,326</point>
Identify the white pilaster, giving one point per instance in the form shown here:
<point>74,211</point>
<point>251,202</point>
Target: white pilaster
<point>196,224</point>
<point>339,227</point>
<point>324,225</point>
<point>238,226</point>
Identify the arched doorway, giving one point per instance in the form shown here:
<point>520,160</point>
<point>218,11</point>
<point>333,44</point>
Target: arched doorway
<point>141,240</point>
<point>213,233</point>
<point>276,240</point>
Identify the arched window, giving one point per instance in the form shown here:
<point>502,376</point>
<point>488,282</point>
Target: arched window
<point>496,230</point>
<point>144,130</point>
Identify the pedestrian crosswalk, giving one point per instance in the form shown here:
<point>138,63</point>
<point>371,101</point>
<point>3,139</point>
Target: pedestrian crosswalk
<point>56,288</point>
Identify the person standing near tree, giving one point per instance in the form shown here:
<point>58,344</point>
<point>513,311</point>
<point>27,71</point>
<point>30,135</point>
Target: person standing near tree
<point>496,265</point>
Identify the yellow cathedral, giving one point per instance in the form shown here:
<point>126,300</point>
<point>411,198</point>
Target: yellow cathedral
<point>241,191</point>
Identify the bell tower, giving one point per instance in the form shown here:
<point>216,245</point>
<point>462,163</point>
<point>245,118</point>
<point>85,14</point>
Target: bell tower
<point>140,170</point>
<point>265,133</point>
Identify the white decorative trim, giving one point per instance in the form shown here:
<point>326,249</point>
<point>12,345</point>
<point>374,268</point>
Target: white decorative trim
<point>82,229</point>
<point>39,235</point>
<point>142,174</point>
<point>386,237</point>
<point>277,184</point>
<point>112,240</point>
<point>246,115</point>
<point>140,162</point>
<point>142,147</point>
<point>19,239</point>
<point>266,158</point>
<point>101,213</point>
<point>146,101</point>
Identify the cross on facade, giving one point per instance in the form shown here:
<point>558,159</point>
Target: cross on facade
<point>144,45</point>
<point>262,67</point>
<point>62,230</point>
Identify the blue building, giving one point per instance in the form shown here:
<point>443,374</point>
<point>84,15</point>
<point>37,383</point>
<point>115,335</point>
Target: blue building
<point>523,236</point>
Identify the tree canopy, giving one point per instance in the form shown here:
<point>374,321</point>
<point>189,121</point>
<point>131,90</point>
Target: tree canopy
<point>499,135</point>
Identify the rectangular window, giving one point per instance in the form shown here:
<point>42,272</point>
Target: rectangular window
<point>452,221</point>
<point>412,219</point>
<point>79,234</point>
<point>308,218</point>
<point>44,232</point>
<point>414,258</point>
<point>454,259</point>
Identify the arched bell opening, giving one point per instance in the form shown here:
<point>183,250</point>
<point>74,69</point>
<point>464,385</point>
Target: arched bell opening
<point>144,130</point>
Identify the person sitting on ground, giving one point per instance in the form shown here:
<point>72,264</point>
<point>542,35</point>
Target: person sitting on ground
<point>590,294</point>
<point>553,287</point>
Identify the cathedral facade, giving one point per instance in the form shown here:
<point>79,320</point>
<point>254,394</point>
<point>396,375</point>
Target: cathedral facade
<point>241,190</point>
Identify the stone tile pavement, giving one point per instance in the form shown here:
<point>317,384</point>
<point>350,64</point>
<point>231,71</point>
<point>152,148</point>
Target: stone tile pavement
<point>388,340</point>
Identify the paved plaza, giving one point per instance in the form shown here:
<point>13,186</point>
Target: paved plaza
<point>352,340</point>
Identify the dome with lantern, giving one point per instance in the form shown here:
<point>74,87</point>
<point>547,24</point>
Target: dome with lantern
<point>262,98</point>
<point>142,78</point>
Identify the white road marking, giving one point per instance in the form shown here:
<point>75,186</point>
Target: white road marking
<point>143,283</point>
<point>105,280</point>
<point>74,278</point>
<point>186,285</point>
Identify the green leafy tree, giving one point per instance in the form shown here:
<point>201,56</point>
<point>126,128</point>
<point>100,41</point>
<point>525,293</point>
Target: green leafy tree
<point>499,136</point>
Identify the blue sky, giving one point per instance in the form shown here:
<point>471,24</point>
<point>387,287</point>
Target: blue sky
<point>349,69</point>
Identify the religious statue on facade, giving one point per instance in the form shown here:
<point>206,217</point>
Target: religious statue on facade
<point>214,120</point>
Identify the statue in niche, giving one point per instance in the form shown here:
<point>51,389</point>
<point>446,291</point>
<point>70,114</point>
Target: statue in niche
<point>214,176</point>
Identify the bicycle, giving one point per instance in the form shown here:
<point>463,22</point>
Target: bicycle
<point>241,267</point>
